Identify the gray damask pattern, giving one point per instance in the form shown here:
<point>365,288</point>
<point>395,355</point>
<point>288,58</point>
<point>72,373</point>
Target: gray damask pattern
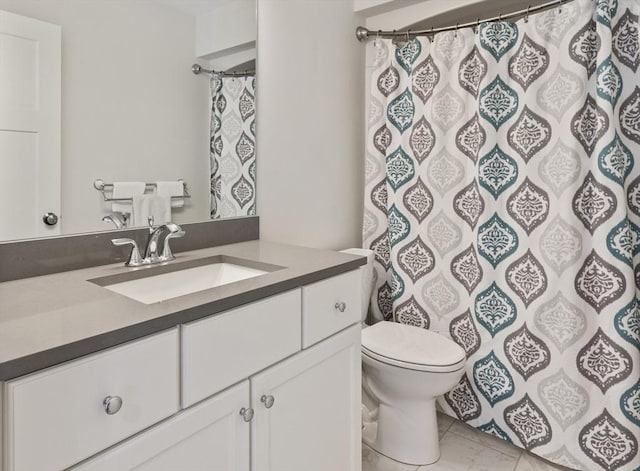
<point>232,157</point>
<point>503,207</point>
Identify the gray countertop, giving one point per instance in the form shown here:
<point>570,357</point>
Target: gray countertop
<point>47,320</point>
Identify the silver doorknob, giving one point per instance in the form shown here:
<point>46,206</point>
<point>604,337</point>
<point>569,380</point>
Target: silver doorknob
<point>247,414</point>
<point>50,219</point>
<point>112,404</point>
<point>267,401</point>
<point>341,306</point>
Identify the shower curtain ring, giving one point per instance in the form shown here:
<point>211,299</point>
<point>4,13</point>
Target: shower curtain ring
<point>500,17</point>
<point>526,16</point>
<point>456,33</point>
<point>477,27</point>
<point>408,34</point>
<point>431,35</point>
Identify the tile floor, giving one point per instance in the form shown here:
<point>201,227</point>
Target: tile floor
<point>462,448</point>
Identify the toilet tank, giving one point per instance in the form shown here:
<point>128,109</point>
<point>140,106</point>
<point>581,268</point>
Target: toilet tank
<point>367,277</point>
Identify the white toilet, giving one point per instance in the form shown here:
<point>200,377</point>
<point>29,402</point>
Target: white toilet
<point>404,369</point>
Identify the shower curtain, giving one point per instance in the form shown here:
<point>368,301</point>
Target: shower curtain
<point>232,155</point>
<point>502,202</point>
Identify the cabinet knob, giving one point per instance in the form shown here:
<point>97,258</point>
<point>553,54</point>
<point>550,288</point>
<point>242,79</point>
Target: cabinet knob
<point>50,219</point>
<point>267,401</point>
<point>341,306</point>
<point>246,413</point>
<point>112,404</point>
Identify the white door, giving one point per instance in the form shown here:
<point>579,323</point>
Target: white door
<point>211,436</point>
<point>30,84</point>
<point>309,419</point>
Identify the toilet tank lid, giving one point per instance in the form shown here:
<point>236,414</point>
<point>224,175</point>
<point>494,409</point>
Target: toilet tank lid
<point>411,344</point>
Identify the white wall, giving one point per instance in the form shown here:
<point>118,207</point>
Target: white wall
<point>310,123</point>
<point>226,36</point>
<point>131,108</point>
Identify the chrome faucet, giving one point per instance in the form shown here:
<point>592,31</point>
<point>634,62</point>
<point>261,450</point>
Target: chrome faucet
<point>118,220</point>
<point>151,255</point>
<point>151,251</point>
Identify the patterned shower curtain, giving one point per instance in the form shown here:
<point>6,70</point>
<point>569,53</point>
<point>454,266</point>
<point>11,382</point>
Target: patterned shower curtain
<point>503,205</point>
<point>232,156</point>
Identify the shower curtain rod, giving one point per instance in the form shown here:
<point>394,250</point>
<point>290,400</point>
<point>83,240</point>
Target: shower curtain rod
<point>198,69</point>
<point>363,33</point>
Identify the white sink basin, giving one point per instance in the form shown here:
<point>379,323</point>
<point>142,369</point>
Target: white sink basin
<point>153,288</point>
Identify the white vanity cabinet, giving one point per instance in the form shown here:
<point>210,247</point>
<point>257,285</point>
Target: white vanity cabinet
<point>247,393</point>
<point>221,350</point>
<point>210,436</point>
<point>330,305</point>
<point>302,414</point>
<point>57,417</point>
<point>307,409</point>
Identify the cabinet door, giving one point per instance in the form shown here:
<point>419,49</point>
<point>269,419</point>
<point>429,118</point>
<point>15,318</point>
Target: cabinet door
<point>313,422</point>
<point>211,436</point>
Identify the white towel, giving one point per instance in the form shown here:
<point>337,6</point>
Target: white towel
<point>171,189</point>
<point>125,190</point>
<point>158,207</point>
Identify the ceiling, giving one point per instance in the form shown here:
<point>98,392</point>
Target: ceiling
<point>193,7</point>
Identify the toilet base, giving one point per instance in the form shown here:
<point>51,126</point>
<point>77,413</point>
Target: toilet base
<point>407,432</point>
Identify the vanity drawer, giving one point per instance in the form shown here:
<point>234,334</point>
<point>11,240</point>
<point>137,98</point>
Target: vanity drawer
<point>330,305</point>
<point>226,348</point>
<point>57,417</point>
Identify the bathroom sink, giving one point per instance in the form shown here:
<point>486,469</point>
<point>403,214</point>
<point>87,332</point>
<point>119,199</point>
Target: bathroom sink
<point>157,284</point>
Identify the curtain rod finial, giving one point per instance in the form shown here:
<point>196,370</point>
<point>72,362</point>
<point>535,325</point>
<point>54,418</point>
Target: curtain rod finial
<point>362,33</point>
<point>196,69</point>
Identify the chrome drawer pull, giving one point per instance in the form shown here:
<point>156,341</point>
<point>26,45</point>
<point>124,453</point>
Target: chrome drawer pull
<point>267,401</point>
<point>247,414</point>
<point>112,404</point>
<point>341,306</point>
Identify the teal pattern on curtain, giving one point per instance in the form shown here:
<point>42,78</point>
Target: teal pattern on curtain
<point>502,202</point>
<point>232,158</point>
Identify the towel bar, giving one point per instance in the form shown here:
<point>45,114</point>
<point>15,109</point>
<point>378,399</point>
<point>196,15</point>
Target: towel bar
<point>103,188</point>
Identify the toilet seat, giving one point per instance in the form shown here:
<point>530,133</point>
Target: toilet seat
<point>412,348</point>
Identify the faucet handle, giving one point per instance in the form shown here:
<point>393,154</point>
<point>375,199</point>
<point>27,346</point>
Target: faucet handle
<point>135,259</point>
<point>118,220</point>
<point>150,223</point>
<point>166,251</point>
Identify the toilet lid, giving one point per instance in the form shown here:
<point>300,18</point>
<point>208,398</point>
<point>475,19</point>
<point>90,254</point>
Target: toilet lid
<point>411,347</point>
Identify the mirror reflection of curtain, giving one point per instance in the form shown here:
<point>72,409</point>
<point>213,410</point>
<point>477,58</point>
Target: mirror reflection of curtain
<point>232,154</point>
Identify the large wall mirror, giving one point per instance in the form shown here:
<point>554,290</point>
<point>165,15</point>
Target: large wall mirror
<point>98,96</point>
